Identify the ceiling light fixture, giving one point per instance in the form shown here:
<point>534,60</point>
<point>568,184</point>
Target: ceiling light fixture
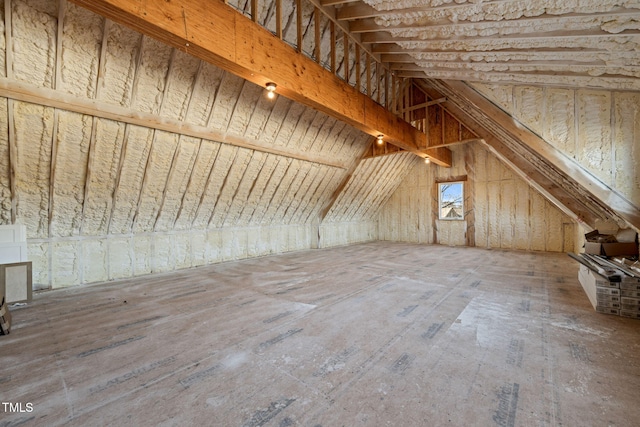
<point>271,88</point>
<point>427,160</point>
<point>379,138</point>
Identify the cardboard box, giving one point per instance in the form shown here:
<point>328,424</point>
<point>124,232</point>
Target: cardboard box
<point>599,297</point>
<point>599,281</point>
<point>630,301</point>
<point>607,310</point>
<point>632,314</point>
<point>608,300</point>
<point>630,279</point>
<point>607,245</point>
<point>611,249</point>
<point>609,291</point>
<point>629,286</point>
<point>630,294</point>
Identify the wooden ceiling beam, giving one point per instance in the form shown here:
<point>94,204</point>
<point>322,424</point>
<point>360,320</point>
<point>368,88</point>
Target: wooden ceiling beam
<point>572,53</point>
<point>360,10</point>
<point>382,35</point>
<point>367,23</point>
<point>214,32</point>
<point>542,79</point>
<point>62,101</point>
<point>543,165</point>
<point>398,58</point>
<point>357,11</point>
<point>426,104</point>
<point>460,142</point>
<point>556,68</point>
<point>336,2</point>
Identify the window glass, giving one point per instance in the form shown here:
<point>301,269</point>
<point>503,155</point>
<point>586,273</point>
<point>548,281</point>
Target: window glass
<point>450,198</point>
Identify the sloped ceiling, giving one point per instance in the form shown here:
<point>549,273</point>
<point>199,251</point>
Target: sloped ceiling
<point>110,132</point>
<point>581,44</point>
<point>215,142</point>
<point>578,43</point>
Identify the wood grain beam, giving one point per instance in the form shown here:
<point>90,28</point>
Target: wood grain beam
<point>460,142</point>
<point>381,35</point>
<point>426,104</point>
<point>565,180</point>
<point>51,98</point>
<point>357,11</point>
<point>336,2</point>
<point>542,79</point>
<point>548,53</point>
<point>216,33</point>
<point>542,24</point>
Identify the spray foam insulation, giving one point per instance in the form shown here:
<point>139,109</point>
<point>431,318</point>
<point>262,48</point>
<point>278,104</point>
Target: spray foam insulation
<point>139,200</point>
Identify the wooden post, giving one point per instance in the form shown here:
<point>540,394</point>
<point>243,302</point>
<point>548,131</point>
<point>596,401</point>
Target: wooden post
<point>378,83</point>
<point>13,158</point>
<point>368,65</point>
<point>386,89</point>
<point>408,88</point>
<point>58,64</point>
<point>317,23</point>
<point>254,10</point>
<point>279,19</point>
<point>346,57</point>
<point>299,24</point>
<point>358,68</point>
<point>333,46</point>
<point>8,38</point>
<point>394,94</point>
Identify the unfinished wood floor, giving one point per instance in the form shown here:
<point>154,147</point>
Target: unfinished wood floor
<point>372,334</point>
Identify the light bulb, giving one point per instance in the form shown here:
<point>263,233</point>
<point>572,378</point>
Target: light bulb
<point>380,140</point>
<point>271,88</point>
<point>426,160</point>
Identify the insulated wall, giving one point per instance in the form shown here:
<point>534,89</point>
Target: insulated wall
<point>123,156</point>
<point>598,129</point>
<point>353,216</point>
<point>501,209</point>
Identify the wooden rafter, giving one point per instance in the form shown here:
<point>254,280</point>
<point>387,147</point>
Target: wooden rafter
<point>426,113</point>
<point>500,42</point>
<point>369,24</point>
<point>50,98</point>
<point>459,142</point>
<point>216,33</point>
<point>335,2</point>
<point>565,182</point>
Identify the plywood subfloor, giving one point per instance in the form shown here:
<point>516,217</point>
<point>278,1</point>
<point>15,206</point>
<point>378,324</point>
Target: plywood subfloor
<point>373,334</point>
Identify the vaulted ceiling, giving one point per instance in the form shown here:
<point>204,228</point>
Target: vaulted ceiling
<point>362,62</point>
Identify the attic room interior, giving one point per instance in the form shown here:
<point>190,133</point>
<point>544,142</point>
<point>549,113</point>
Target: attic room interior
<point>319,212</point>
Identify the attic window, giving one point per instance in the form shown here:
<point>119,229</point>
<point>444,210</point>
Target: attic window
<point>450,200</point>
